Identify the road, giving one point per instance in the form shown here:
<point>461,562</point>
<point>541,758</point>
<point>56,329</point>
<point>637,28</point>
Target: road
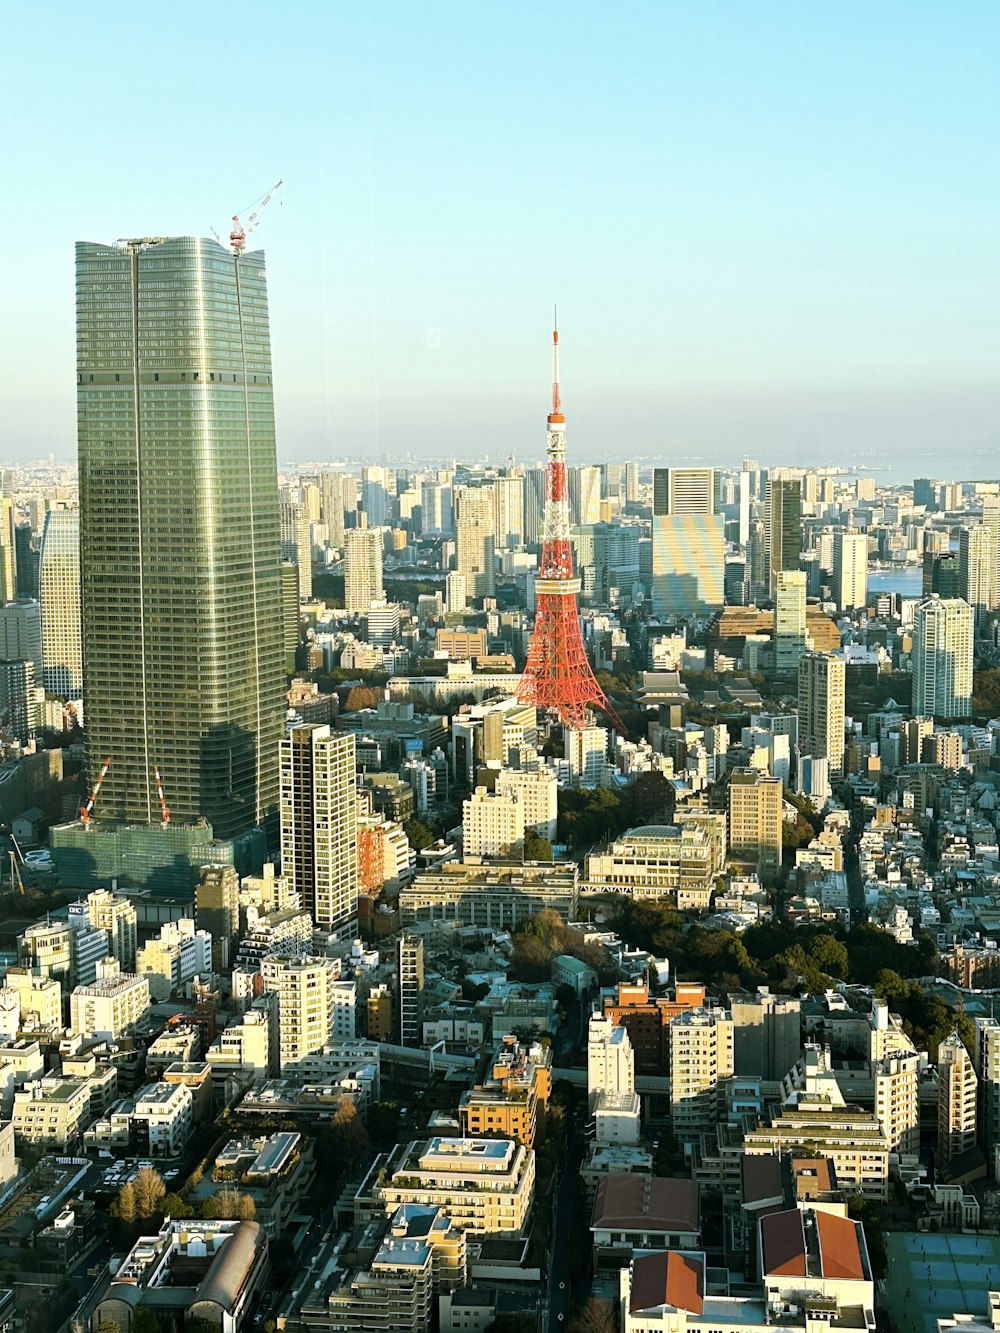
<point>559,1299</point>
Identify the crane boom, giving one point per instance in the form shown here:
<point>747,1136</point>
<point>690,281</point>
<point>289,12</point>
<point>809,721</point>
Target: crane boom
<point>239,234</point>
<point>86,810</point>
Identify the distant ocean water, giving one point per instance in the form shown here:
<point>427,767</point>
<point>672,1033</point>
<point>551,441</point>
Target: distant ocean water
<point>908,580</point>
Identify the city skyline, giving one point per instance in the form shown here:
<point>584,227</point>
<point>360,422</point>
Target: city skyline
<point>747,238</point>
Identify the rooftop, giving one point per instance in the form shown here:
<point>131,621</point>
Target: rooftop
<point>659,1203</point>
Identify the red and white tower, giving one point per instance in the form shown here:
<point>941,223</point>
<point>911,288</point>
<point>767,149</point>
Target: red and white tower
<point>558,675</point>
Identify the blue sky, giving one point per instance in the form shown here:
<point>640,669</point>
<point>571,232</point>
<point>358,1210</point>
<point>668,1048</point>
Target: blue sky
<point>770,227</point>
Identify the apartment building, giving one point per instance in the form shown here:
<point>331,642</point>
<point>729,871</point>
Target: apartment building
<point>486,1186</point>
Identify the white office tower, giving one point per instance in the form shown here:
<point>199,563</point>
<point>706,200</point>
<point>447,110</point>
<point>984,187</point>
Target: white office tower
<point>21,634</point>
<point>585,749</point>
<point>59,604</point>
<point>977,568</point>
<point>381,624</point>
<point>493,824</point>
<point>456,598</point>
<point>319,825</point>
<point>814,779</point>
<point>584,496</point>
<point>296,541</point>
<point>475,544</point>
<point>631,483</point>
<point>943,645</point>
<point>610,1060</point>
<point>789,621</point>
<point>509,507</point>
<point>332,506</point>
<point>362,569</point>
<point>436,513</point>
<point>307,1002</point>
<point>375,496</point>
<point>537,790</point>
<point>702,1054</point>
<point>850,570</point>
<point>689,542</point>
<point>822,705</point>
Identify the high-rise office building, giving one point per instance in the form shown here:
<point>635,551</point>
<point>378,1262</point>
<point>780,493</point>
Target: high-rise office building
<point>822,706</point>
<point>362,569</point>
<point>755,803</point>
<point>8,542</point>
<point>21,634</point>
<point>850,570</point>
<point>977,569</point>
<point>182,658</point>
<point>689,542</point>
<point>319,825</point>
<point>782,524</point>
<point>475,526</point>
<point>18,705</point>
<point>631,483</point>
<point>296,544</point>
<point>410,989</point>
<point>766,1033</point>
<point>789,622</point>
<point>534,505</point>
<point>375,496</point>
<point>509,507</point>
<point>943,645</point>
<point>59,604</point>
<point>332,506</point>
<point>584,495</point>
<point>26,562</point>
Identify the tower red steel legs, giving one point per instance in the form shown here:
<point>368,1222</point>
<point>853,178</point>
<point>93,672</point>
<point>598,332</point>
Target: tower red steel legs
<point>558,675</point>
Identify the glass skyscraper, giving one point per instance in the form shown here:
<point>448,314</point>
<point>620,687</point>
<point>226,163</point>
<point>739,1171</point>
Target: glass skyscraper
<point>179,532</point>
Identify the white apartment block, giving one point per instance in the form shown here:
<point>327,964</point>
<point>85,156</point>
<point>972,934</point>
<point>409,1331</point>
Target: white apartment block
<point>176,956</point>
<point>702,1054</point>
<point>493,823</point>
<point>610,1060</point>
<point>538,792</point>
<point>51,1111</point>
<point>109,1006</point>
<point>486,1186</point>
<point>306,1003</point>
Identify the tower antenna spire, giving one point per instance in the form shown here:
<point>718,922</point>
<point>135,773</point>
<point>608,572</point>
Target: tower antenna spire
<point>556,400</point>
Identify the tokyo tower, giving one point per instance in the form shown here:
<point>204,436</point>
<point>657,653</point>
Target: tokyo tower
<point>558,675</point>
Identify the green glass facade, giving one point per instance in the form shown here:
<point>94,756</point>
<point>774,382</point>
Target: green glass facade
<point>179,532</point>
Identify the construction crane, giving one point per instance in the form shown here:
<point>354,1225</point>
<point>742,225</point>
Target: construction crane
<point>85,810</point>
<point>164,808</point>
<point>15,874</point>
<point>240,232</point>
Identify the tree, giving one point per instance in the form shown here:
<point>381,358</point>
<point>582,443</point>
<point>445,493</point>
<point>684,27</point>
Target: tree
<point>829,955</point>
<point>418,834</point>
<point>343,1142</point>
<point>597,1316</point>
<point>536,848</point>
<point>108,1326</point>
<point>127,1207</point>
<point>230,1205</point>
<point>172,1205</point>
<point>144,1321</point>
<point>149,1192</point>
<point>514,1323</point>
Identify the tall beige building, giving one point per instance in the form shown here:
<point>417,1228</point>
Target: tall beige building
<point>822,695</point>
<point>319,824</point>
<point>362,569</point>
<point>789,621</point>
<point>306,1003</point>
<point>701,1055</point>
<point>59,603</point>
<point>493,823</point>
<point>943,647</point>
<point>958,1089</point>
<point>755,805</point>
<point>475,528</point>
<point>509,507</point>
<point>897,1101</point>
<point>850,570</point>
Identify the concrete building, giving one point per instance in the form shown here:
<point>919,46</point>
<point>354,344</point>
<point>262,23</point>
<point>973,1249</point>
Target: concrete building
<point>643,1213</point>
<point>217,911</point>
<point>790,622</point>
<point>117,915</point>
<point>363,583</point>
<point>897,1101</point>
<point>766,1034</point>
<point>493,823</point>
<point>782,524</point>
<point>174,958</point>
<point>585,750</point>
<point>701,1057</point>
<point>850,570</point>
<point>486,1186</point>
<point>986,1062</point>
<point>689,545</point>
<point>307,1001</point>
<point>943,643</point>
<point>537,792</point>
<point>822,708</point>
<point>676,863</point>
<point>496,895</point>
<point>109,1007</point>
<point>958,1089</point>
<point>512,1099</point>
<point>475,526</point>
<point>410,989</point>
<point>755,814</point>
<point>318,816</point>
<point>610,1060</point>
<point>52,1112</point>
